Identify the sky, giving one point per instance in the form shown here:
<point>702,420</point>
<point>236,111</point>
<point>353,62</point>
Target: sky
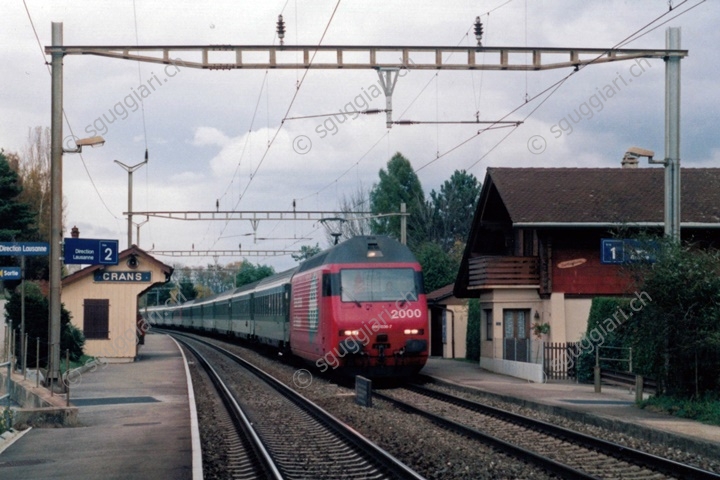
<point>227,137</point>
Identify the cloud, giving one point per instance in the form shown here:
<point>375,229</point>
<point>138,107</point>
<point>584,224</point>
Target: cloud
<point>209,136</point>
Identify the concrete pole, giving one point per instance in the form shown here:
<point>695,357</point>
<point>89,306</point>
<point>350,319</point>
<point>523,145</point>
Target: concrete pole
<point>403,224</point>
<point>130,171</point>
<point>23,352</point>
<point>672,136</point>
<point>387,82</point>
<point>55,260</point>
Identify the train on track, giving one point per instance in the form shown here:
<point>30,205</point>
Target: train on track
<point>356,308</point>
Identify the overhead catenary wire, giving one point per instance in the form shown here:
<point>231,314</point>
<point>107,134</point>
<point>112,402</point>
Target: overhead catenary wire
<point>554,87</point>
<point>65,116</point>
<point>292,101</point>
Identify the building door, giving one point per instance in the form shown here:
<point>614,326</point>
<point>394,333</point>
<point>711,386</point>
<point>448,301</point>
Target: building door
<point>516,335</point>
<point>436,332</point>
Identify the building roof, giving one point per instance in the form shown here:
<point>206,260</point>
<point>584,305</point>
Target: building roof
<point>122,256</point>
<point>440,294</point>
<point>536,196</point>
<point>581,199</point>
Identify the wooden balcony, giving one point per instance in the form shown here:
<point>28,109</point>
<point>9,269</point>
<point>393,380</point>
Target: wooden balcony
<point>502,271</point>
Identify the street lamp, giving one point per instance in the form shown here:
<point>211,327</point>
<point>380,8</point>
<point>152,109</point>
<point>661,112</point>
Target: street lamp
<point>672,187</point>
<point>85,142</point>
<point>56,152</point>
<point>56,240</point>
<point>130,171</point>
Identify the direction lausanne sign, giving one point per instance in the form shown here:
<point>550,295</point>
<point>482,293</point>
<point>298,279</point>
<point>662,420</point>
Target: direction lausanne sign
<point>24,248</point>
<point>89,251</point>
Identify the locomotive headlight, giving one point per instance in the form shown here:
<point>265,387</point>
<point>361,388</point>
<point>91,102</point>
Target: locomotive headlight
<point>349,332</point>
<point>413,331</point>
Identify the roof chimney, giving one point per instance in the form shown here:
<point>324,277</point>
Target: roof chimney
<point>630,161</point>
<point>75,233</point>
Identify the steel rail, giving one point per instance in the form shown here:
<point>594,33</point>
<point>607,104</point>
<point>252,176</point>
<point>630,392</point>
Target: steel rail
<point>621,452</point>
<point>564,471</point>
<point>372,453</point>
<point>242,423</point>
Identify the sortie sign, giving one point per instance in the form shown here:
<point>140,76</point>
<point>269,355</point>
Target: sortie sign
<point>10,273</point>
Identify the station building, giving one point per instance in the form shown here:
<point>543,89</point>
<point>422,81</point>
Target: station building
<point>534,255</point>
<point>103,302</point>
<point>448,323</point>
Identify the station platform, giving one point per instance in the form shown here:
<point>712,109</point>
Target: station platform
<point>136,422</point>
<point>613,408</point>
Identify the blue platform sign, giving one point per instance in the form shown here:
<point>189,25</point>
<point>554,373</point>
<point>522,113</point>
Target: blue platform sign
<point>90,251</point>
<point>10,273</point>
<point>624,250</point>
<point>24,248</point>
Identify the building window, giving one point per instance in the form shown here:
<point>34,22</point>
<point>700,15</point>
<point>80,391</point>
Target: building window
<point>487,314</point>
<point>96,314</point>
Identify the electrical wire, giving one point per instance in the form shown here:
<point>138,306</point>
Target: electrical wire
<point>554,87</point>
<point>65,116</point>
<point>277,131</point>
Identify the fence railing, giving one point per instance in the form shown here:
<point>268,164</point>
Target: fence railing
<point>559,361</point>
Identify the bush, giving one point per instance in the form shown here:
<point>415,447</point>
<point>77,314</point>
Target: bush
<point>36,325</point>
<point>472,342</point>
<point>705,409</point>
<point>607,314</point>
<point>6,419</point>
<point>72,338</point>
<point>677,334</point>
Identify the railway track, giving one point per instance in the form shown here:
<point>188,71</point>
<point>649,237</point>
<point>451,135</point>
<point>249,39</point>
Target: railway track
<point>297,439</point>
<point>561,451</point>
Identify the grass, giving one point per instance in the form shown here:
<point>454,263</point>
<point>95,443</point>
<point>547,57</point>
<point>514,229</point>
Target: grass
<point>705,410</point>
<point>76,364</point>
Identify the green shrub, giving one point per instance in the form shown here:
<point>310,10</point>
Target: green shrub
<point>472,342</point>
<point>607,314</point>
<point>36,325</point>
<point>705,409</point>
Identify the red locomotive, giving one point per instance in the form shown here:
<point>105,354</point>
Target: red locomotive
<point>357,308</point>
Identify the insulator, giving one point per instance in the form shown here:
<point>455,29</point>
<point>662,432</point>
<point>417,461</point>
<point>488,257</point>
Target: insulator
<point>281,28</point>
<point>478,31</point>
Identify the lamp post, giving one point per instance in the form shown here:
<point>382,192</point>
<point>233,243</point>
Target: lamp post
<point>130,171</point>
<point>56,152</point>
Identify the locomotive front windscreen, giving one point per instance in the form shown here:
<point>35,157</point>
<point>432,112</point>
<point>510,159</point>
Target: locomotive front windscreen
<point>378,284</point>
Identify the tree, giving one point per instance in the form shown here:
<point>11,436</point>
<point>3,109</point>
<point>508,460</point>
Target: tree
<point>17,220</point>
<point>215,278</point>
<point>453,208</point>
<point>439,267</point>
<point>399,184</point>
<point>250,273</point>
<point>186,292</point>
<point>34,171</point>
<point>355,226</point>
<point>674,321</point>
<point>306,251</point>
